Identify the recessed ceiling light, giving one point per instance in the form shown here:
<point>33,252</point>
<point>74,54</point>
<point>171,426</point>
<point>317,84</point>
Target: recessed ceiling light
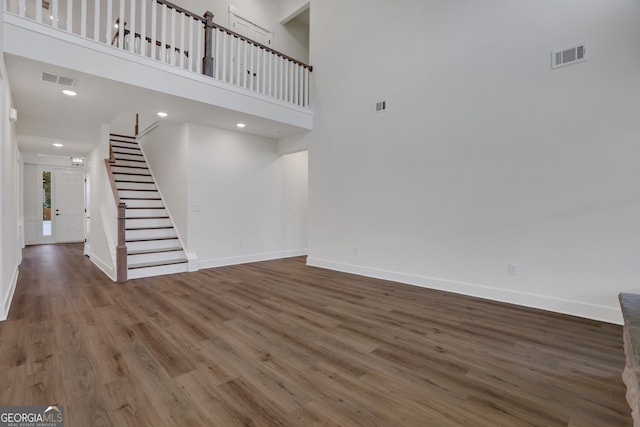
<point>69,92</point>
<point>162,114</point>
<point>240,125</point>
<point>57,144</point>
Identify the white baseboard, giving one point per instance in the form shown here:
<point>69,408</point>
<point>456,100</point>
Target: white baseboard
<point>6,304</point>
<point>574,308</point>
<point>245,259</point>
<point>106,269</point>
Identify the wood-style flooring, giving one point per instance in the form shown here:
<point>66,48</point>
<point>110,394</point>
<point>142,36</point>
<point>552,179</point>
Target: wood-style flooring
<point>282,344</point>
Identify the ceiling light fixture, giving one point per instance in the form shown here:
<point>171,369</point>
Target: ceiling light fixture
<point>162,114</point>
<point>77,161</point>
<point>57,144</point>
<point>240,125</point>
<point>69,92</point>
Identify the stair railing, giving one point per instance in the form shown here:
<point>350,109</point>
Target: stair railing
<point>162,31</point>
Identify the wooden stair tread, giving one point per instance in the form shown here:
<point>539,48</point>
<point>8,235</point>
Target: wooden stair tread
<point>135,189</point>
<point>155,251</point>
<point>131,173</point>
<point>156,264</point>
<point>141,198</point>
<point>164,227</point>
<point>150,239</point>
<point>127,154</point>
<point>128,160</point>
<point>147,217</point>
<point>122,136</point>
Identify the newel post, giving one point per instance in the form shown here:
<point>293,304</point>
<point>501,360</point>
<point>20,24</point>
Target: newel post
<point>207,62</point>
<point>121,248</point>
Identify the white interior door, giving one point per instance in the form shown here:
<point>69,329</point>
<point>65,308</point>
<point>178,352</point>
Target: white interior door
<point>251,70</point>
<point>68,205</point>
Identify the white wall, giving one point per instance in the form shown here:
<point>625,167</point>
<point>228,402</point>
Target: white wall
<point>246,203</point>
<point>486,156</point>
<point>102,234</point>
<point>10,251</point>
<point>165,150</point>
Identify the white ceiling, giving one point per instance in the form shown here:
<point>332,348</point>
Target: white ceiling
<point>45,115</point>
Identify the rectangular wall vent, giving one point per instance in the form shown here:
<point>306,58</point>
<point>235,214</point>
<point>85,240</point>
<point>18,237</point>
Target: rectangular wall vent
<point>573,55</point>
<point>46,4</point>
<point>381,106</point>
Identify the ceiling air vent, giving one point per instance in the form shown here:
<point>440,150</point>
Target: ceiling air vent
<point>61,80</point>
<point>573,55</point>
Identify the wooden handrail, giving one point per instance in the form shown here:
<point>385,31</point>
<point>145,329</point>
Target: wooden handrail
<point>181,10</point>
<point>260,45</point>
<point>112,180</point>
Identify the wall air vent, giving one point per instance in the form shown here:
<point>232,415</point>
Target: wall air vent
<point>61,80</point>
<point>46,4</point>
<point>573,55</point>
<point>380,107</point>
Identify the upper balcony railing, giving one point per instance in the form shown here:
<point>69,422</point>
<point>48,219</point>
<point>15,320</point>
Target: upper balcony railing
<point>164,32</point>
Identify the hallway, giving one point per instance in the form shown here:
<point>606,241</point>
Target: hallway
<point>280,343</point>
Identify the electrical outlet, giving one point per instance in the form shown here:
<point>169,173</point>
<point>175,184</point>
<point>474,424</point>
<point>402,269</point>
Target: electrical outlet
<point>512,269</point>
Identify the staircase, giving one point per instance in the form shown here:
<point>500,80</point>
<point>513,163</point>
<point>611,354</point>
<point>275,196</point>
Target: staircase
<point>153,247</point>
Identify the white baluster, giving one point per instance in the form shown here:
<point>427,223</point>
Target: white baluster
<point>22,8</point>
<point>252,67</point>
<point>96,21</point>
<point>216,58</point>
<point>268,73</point>
<point>70,16</point>
<point>163,34</point>
<point>109,19</point>
<point>199,33</point>
<point>225,41</point>
<point>132,26</point>
<point>237,41</point>
<point>263,71</point>
<point>182,44</point>
<point>307,75</point>
<point>193,25</point>
<point>54,13</point>
<point>154,28</point>
<point>172,49</point>
<point>143,28</point>
<point>296,86</point>
<point>38,11</point>
<point>83,18</point>
<point>122,26</point>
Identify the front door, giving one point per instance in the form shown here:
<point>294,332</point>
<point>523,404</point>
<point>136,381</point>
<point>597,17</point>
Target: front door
<point>68,205</point>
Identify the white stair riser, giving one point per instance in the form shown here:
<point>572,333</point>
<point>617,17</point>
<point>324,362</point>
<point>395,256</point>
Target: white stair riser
<point>151,244</point>
<point>125,169</point>
<point>156,271</point>
<point>155,257</point>
<point>123,162</point>
<point>135,186</point>
<point>139,194</point>
<point>124,176</point>
<point>133,213</point>
<point>140,203</point>
<point>126,150</point>
<point>151,222</point>
<point>150,234</point>
<point>120,156</point>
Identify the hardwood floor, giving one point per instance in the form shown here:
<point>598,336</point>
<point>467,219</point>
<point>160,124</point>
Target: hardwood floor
<point>282,344</point>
